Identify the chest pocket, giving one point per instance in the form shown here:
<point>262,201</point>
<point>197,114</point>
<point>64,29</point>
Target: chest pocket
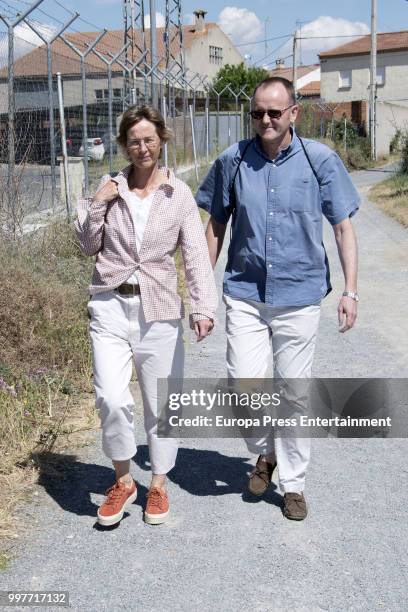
<point>302,194</point>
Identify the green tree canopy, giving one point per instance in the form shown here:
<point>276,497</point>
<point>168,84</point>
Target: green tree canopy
<point>239,76</point>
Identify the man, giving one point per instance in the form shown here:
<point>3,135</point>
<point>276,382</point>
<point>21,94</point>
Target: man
<point>277,188</point>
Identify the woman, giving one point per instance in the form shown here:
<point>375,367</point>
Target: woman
<point>133,224</point>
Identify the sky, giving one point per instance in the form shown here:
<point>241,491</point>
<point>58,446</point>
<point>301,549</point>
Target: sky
<point>246,22</point>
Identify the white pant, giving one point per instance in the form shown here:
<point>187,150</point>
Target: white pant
<point>119,332</point>
<point>250,328</point>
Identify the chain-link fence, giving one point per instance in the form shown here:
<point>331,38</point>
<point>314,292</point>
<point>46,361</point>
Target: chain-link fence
<point>61,102</point>
<point>62,98</point>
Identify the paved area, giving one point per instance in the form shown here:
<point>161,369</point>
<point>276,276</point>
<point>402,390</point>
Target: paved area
<point>221,549</point>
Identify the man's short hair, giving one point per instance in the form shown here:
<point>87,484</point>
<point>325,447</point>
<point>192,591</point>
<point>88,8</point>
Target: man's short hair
<point>276,79</point>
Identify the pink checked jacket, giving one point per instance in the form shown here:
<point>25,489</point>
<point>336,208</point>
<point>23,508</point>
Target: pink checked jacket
<point>106,230</point>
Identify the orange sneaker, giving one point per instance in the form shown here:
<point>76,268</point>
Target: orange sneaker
<point>119,497</point>
<point>157,508</point>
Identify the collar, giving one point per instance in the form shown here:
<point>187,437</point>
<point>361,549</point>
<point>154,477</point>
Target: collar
<point>123,175</point>
<point>292,147</point>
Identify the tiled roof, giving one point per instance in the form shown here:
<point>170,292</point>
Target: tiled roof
<point>311,89</point>
<point>67,62</point>
<point>287,73</point>
<point>389,41</point>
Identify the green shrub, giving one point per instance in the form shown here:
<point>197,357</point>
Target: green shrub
<point>404,152</point>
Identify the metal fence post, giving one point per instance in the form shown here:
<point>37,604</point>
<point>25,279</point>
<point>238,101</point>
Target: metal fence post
<point>51,100</point>
<point>193,140</point>
<point>11,106</point>
<point>64,148</point>
<point>83,57</point>
<point>109,64</point>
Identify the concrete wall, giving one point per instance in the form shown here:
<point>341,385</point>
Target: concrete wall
<point>394,88</point>
<point>390,117</point>
<point>197,57</point>
<point>314,75</point>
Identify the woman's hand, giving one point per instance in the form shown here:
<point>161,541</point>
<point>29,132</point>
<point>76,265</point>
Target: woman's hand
<point>108,192</point>
<point>203,328</point>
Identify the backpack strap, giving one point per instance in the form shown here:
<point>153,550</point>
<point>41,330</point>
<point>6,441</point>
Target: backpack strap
<point>239,163</point>
<point>231,189</point>
<point>309,160</point>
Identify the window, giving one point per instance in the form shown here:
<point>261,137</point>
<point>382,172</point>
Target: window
<point>32,85</point>
<point>103,94</point>
<point>216,55</point>
<point>344,79</point>
<point>380,76</point>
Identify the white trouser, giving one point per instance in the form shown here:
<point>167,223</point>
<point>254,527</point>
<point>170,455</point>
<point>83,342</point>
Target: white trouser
<point>250,327</point>
<point>119,332</point>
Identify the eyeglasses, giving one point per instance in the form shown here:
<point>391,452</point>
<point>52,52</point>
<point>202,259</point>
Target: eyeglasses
<point>273,113</point>
<point>150,143</point>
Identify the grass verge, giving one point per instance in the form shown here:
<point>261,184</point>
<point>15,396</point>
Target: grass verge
<point>391,196</point>
<point>45,361</point>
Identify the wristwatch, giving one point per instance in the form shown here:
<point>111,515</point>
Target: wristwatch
<point>351,294</point>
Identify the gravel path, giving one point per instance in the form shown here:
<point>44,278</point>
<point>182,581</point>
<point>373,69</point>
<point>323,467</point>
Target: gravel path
<point>221,549</point>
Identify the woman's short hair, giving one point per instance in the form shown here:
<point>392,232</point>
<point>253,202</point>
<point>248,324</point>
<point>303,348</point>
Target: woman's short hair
<point>134,114</point>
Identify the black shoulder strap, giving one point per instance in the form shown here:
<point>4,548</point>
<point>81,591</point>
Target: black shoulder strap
<point>309,160</point>
<point>238,165</point>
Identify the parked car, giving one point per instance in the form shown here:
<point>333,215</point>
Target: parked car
<point>95,149</point>
<point>112,139</point>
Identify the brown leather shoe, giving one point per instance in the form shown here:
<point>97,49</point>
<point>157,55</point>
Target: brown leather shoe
<point>294,506</point>
<point>261,476</point>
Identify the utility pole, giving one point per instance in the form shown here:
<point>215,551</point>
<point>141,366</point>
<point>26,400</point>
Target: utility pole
<point>373,80</point>
<point>294,76</point>
<point>266,35</point>
<point>299,27</point>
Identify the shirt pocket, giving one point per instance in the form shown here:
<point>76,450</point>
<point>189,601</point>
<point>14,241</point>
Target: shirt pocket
<point>301,195</point>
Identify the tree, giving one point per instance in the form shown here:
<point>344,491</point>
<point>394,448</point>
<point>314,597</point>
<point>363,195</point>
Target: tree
<point>239,76</point>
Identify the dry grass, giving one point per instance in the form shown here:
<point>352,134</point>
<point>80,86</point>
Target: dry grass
<point>45,361</point>
<point>392,197</point>
<point>46,399</point>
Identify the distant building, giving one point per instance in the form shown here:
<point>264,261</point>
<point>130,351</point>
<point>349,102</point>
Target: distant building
<point>308,78</point>
<point>206,49</point>
<point>345,77</point>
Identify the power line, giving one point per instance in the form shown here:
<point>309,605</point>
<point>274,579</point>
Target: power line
<point>271,52</point>
<point>337,36</point>
<point>282,58</point>
<point>258,42</point>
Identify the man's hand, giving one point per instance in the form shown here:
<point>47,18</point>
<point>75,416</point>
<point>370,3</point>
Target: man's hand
<point>108,192</point>
<point>347,312</point>
<point>203,328</point>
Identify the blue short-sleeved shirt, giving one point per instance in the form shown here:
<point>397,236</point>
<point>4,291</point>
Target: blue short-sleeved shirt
<point>276,254</point>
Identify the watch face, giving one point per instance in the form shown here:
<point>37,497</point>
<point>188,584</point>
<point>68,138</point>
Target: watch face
<point>352,295</point>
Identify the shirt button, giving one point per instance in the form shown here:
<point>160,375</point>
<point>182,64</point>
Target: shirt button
<point>272,190</point>
<point>271,213</point>
<point>269,265</point>
<point>270,238</point>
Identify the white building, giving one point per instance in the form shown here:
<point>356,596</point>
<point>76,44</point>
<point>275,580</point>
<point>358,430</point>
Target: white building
<point>206,49</point>
<point>345,77</point>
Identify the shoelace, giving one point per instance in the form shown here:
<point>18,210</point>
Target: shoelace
<point>113,493</point>
<point>155,496</point>
<point>297,500</point>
